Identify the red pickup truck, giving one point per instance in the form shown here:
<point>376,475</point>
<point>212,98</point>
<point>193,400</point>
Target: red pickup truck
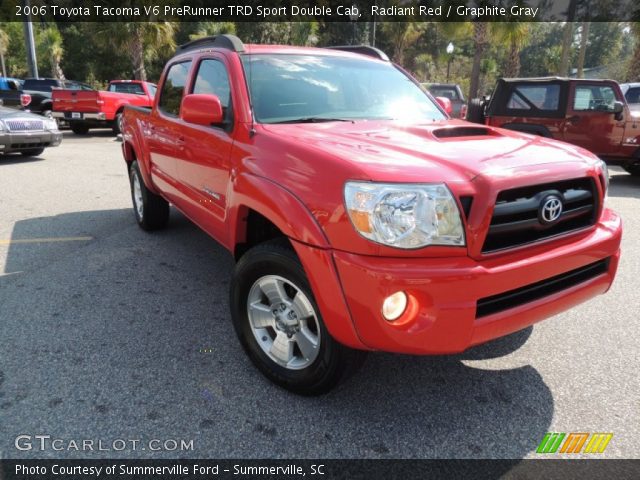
<point>98,109</point>
<point>360,216</point>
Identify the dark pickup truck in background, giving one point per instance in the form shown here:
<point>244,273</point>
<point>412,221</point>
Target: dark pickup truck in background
<point>453,92</point>
<point>11,94</point>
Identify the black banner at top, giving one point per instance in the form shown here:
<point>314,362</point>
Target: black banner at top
<point>321,10</point>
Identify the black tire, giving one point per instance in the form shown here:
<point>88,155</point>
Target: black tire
<point>33,152</point>
<point>79,128</point>
<point>334,362</point>
<point>116,124</point>
<point>633,168</point>
<point>475,111</point>
<point>154,211</point>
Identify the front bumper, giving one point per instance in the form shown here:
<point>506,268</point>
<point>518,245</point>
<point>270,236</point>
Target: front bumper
<point>18,141</point>
<point>443,315</point>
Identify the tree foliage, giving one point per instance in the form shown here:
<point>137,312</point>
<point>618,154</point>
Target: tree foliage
<point>99,52</point>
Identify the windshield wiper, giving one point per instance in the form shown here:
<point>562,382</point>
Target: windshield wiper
<point>316,120</point>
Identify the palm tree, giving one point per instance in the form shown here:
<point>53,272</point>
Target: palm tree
<point>480,38</point>
<point>402,36</point>
<point>633,73</point>
<point>515,34</point>
<point>51,41</point>
<point>584,36</point>
<point>140,41</point>
<point>567,39</point>
<point>4,46</point>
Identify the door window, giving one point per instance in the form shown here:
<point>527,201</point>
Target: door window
<point>173,88</point>
<point>597,98</point>
<point>212,79</point>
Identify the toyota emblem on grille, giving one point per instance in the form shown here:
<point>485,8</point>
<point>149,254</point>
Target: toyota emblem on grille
<point>550,209</point>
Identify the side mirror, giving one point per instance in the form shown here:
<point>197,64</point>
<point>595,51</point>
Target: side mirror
<point>201,109</point>
<point>618,108</point>
<point>445,103</point>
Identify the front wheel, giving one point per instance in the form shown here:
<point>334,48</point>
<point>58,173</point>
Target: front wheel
<point>32,152</point>
<point>280,326</point>
<point>151,210</point>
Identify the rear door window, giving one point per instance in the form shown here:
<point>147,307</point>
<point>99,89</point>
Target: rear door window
<point>173,88</point>
<point>447,92</point>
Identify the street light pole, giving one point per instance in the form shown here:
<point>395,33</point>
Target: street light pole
<point>30,43</point>
<point>450,49</point>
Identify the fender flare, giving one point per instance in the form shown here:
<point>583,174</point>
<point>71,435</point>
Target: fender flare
<point>280,206</point>
<point>532,128</point>
<point>289,214</point>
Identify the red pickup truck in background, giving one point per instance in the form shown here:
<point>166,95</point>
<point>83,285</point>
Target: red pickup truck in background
<point>98,109</point>
<point>360,216</point>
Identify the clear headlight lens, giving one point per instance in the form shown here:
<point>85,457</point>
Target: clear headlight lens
<point>3,127</point>
<point>50,124</point>
<point>404,215</point>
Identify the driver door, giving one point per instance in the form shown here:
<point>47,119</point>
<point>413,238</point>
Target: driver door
<point>591,123</point>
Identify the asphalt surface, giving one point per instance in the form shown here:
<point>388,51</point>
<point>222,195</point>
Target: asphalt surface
<point>110,333</point>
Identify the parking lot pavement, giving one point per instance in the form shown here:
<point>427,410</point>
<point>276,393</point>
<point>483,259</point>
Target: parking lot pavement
<point>108,332</point>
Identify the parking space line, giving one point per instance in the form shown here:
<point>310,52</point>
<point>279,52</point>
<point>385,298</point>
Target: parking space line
<point>45,240</point>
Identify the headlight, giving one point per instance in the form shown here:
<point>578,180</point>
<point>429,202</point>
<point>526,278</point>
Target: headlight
<point>404,215</point>
<point>50,124</point>
<point>3,127</point>
<point>605,173</point>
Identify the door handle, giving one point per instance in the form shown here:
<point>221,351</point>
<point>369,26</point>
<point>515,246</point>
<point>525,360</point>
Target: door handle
<point>574,119</point>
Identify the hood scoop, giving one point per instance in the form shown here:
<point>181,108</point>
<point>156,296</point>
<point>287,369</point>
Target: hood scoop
<point>464,131</point>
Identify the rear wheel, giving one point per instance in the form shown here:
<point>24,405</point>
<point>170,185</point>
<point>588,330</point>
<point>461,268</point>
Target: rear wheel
<point>117,124</point>
<point>33,152</point>
<point>280,326</point>
<point>633,169</point>
<point>79,128</point>
<point>475,111</point>
<point>151,210</point>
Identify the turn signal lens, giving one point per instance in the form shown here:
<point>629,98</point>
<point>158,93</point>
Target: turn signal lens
<point>394,306</point>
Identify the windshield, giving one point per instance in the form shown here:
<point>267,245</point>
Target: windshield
<point>285,88</point>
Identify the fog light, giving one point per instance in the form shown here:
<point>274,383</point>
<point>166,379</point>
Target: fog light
<point>394,306</point>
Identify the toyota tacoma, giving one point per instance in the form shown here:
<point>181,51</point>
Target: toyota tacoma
<point>360,216</point>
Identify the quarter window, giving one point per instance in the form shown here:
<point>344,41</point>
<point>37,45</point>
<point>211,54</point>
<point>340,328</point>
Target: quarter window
<point>173,88</point>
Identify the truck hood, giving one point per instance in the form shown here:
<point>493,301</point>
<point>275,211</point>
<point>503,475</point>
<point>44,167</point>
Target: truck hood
<point>452,149</point>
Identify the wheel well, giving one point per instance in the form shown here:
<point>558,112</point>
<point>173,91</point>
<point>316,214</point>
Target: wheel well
<point>129,154</point>
<point>257,229</point>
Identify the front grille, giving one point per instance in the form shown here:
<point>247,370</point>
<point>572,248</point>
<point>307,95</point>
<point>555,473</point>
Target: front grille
<point>535,291</point>
<point>516,216</point>
<point>24,125</point>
